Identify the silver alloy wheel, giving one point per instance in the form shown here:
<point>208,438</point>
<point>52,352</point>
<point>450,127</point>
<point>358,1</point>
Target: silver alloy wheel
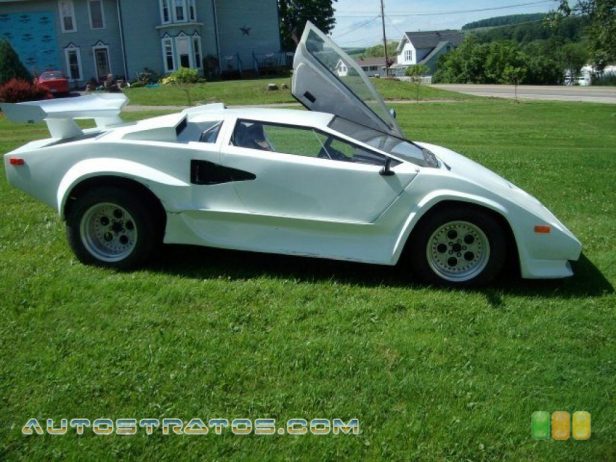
<point>108,232</point>
<point>458,251</point>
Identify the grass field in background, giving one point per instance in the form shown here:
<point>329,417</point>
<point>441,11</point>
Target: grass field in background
<point>255,92</point>
<point>431,374</point>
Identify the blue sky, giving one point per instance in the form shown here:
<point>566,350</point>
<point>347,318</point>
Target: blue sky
<point>357,23</point>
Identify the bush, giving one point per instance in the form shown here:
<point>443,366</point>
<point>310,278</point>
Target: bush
<point>146,77</point>
<point>10,65</point>
<point>182,75</point>
<point>16,91</point>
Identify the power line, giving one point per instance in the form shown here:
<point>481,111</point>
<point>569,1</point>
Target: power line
<point>354,27</point>
<point>439,13</point>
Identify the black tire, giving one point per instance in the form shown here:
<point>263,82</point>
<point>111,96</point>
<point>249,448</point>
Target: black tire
<point>112,227</point>
<point>457,247</point>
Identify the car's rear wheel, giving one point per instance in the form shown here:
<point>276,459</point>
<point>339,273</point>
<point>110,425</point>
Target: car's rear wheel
<point>458,247</point>
<point>110,227</point>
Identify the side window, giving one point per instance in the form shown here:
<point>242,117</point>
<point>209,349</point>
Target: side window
<point>277,138</point>
<point>338,149</point>
<point>300,141</point>
<point>293,140</point>
<point>209,133</point>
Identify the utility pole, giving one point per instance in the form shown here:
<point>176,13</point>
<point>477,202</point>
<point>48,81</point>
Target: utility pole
<point>384,40</point>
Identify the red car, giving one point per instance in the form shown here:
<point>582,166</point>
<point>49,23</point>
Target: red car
<point>55,81</point>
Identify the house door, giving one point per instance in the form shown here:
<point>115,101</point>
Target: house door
<point>101,59</point>
<point>182,45</point>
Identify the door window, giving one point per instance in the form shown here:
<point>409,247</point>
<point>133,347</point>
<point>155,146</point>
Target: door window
<point>300,141</point>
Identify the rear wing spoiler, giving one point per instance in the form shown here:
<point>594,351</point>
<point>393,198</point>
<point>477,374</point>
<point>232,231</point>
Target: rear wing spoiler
<point>60,114</point>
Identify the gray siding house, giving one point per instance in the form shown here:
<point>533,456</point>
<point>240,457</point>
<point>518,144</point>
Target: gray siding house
<point>92,38</point>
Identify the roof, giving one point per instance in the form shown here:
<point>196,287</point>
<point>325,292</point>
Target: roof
<point>434,52</point>
<point>430,39</point>
<point>380,61</point>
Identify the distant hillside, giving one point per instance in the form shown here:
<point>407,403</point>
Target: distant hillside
<point>570,29</point>
<point>511,19</point>
<point>353,51</point>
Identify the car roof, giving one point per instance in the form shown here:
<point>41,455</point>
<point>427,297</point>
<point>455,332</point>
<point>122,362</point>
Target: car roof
<point>278,116</point>
<point>215,112</point>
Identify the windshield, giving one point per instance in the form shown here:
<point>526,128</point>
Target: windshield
<point>397,147</point>
<point>344,69</point>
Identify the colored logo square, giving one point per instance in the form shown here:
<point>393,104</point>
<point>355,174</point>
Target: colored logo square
<point>561,425</point>
<point>540,425</point>
<point>581,425</point>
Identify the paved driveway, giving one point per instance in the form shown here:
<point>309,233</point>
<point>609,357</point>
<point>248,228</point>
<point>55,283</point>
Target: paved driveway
<point>540,92</point>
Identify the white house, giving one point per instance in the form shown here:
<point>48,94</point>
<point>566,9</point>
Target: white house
<point>425,48</point>
<point>373,67</point>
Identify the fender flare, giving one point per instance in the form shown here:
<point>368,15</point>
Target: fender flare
<point>122,168</point>
<point>430,201</point>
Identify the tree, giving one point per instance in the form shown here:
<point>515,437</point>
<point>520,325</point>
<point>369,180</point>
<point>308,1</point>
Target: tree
<point>602,29</point>
<point>573,57</point>
<point>10,65</point>
<point>295,13</point>
<point>514,75</point>
<point>378,51</point>
<point>416,72</point>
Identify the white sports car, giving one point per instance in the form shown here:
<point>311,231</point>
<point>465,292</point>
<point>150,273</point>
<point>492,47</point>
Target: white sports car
<point>338,181</point>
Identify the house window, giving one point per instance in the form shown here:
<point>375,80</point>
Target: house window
<point>73,62</point>
<point>196,43</point>
<point>192,10</point>
<point>97,17</point>
<point>165,11</point>
<point>182,48</point>
<point>67,15</point>
<point>168,54</point>
<point>408,55</point>
<point>180,10</point>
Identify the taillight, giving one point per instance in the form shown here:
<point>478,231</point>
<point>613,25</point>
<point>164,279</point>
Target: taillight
<point>16,161</point>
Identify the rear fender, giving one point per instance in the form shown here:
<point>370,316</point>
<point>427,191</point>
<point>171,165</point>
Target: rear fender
<point>91,168</point>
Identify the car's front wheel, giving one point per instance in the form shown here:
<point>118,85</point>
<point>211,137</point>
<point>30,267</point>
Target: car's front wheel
<point>110,227</point>
<point>458,247</point>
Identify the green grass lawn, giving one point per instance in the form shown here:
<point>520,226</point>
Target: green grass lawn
<point>431,374</point>
<point>255,92</point>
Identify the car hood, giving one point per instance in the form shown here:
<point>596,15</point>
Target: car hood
<point>493,185</point>
<point>464,167</point>
<point>326,79</point>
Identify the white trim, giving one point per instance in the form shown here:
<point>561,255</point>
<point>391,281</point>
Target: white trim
<point>102,4</point>
<point>72,15</point>
<point>184,25</point>
<point>185,5</point>
<point>161,5</point>
<point>192,5</point>
<point>183,37</point>
<point>169,40</point>
<point>101,46</point>
<point>196,39</point>
<point>184,11</point>
<point>77,51</point>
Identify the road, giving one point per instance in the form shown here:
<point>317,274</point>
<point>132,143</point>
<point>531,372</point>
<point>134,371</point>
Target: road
<point>554,93</point>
